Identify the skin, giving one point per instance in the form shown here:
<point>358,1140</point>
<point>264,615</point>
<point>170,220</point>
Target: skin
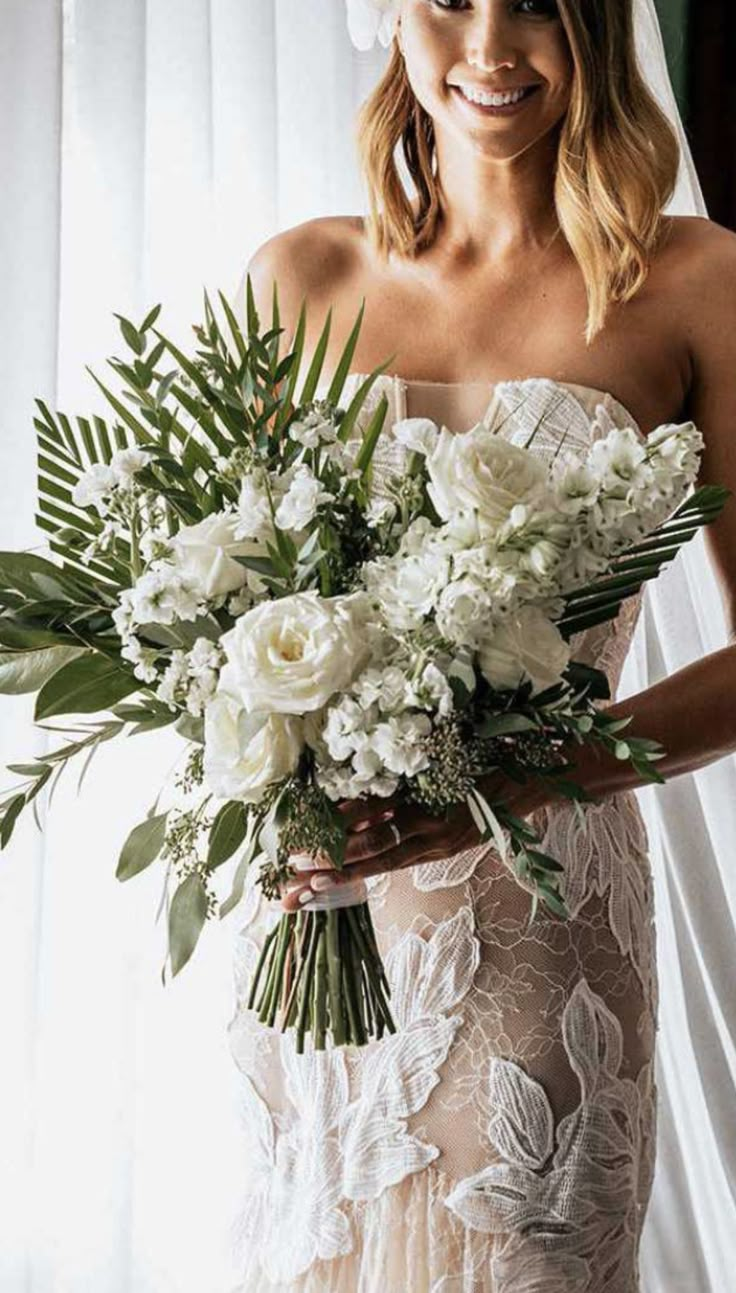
<point>500,296</point>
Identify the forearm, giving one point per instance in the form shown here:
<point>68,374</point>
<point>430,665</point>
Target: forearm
<point>692,714</point>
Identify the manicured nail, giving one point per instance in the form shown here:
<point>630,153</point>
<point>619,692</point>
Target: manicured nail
<point>307,896</point>
<point>324,882</point>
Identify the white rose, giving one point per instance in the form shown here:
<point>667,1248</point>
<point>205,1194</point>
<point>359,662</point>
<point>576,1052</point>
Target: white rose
<point>205,553</point>
<point>299,505</point>
<point>479,471</point>
<point>526,646</point>
<point>293,654</point>
<point>245,753</point>
<point>418,435</point>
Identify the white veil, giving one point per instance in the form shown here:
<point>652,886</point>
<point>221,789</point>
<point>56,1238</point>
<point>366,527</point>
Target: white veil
<point>691,821</point>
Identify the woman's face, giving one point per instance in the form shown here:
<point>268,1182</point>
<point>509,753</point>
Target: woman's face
<point>488,45</point>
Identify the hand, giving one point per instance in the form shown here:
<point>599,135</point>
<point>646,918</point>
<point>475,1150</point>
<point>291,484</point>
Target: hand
<point>390,834</point>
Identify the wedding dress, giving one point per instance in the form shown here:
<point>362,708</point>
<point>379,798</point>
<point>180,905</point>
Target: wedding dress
<point>503,1138</point>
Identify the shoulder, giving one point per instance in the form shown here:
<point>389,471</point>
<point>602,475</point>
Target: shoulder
<point>699,251</point>
<point>307,261</point>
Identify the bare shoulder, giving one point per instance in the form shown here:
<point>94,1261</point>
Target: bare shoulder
<point>699,251</point>
<point>308,262</point>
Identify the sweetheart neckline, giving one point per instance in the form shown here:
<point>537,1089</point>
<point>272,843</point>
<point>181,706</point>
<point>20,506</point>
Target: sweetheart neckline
<point>571,386</point>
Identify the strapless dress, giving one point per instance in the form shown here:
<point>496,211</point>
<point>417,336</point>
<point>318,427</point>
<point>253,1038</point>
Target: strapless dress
<point>503,1139</point>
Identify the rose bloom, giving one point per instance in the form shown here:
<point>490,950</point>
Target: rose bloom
<point>481,472</point>
<point>245,753</point>
<point>526,646</point>
<point>206,551</point>
<point>291,655</point>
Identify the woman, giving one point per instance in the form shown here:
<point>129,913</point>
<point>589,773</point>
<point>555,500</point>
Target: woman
<point>503,1139</point>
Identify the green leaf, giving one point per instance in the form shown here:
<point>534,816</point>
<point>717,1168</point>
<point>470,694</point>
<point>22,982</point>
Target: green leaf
<point>131,335</point>
<point>506,724</point>
<point>25,671</point>
<point>142,846</point>
<point>318,358</point>
<point>10,816</point>
<point>370,437</point>
<point>85,685</point>
<point>227,833</point>
<point>187,915</point>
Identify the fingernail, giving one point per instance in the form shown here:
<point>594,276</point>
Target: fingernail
<point>306,896</point>
<point>323,882</point>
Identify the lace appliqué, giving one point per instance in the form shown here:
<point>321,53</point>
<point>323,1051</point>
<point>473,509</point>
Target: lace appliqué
<point>565,1202</point>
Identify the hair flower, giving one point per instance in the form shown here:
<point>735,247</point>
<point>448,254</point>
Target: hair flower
<point>368,19</point>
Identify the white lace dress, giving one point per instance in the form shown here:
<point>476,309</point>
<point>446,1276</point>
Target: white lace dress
<point>503,1138</point>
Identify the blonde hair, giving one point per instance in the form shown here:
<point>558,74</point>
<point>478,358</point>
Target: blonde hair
<point>617,160</point>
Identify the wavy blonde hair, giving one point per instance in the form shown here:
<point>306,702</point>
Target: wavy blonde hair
<point>616,165</point>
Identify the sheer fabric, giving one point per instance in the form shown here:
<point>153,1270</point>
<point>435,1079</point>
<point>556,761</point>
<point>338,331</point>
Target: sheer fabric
<point>503,1138</point>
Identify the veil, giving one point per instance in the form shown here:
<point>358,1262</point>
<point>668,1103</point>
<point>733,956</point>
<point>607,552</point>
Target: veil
<point>691,823</point>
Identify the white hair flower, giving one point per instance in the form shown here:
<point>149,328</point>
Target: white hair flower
<point>368,19</point>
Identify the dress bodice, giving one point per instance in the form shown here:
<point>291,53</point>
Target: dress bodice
<point>563,412</point>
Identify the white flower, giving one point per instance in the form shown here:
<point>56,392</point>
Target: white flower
<point>407,588</point>
<point>380,511</point>
<point>464,610</point>
<point>126,463</point>
<point>368,19</point>
<point>401,743</point>
<point>205,553</point>
<point>619,461</point>
<point>345,729</point>
<point>293,654</point>
<point>577,488</point>
<point>385,688</point>
<point>479,471</point>
<point>142,658</point>
<point>432,691</point>
<point>245,753</point>
<point>161,595</point>
<point>526,646</point>
<point>299,505</point>
<point>677,447</point>
<point>419,435</point>
<point>313,430</point>
<point>254,510</point>
<point>94,487</point>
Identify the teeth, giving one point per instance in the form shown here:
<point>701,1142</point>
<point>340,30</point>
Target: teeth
<point>492,100</point>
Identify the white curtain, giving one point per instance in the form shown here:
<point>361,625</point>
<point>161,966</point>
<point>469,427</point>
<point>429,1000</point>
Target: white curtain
<point>147,147</point>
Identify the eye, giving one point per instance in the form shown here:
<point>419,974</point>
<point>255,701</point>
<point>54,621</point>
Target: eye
<point>538,8</point>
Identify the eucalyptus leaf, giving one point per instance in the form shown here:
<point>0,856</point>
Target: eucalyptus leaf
<point>227,833</point>
<point>142,846</point>
<point>187,915</point>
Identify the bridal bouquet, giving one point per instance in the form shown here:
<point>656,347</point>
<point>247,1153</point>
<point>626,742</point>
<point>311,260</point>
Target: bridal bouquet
<point>222,560</point>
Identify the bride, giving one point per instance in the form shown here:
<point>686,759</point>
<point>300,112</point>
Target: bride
<point>503,1138</point>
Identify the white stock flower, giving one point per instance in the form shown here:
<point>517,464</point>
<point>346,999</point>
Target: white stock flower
<point>432,691</point>
<point>464,610</point>
<point>141,657</point>
<point>418,435</point>
<point>304,496</point>
<point>385,688</point>
<point>205,554</point>
<point>94,487</point>
<point>678,446</point>
<point>526,646</point>
<point>479,471</point>
<point>245,753</point>
<point>345,728</point>
<point>291,655</point>
<point>401,743</point>
<point>126,463</point>
<point>407,588</point>
<point>371,19</point>
<point>254,510</point>
<point>161,595</point>
<point>313,430</point>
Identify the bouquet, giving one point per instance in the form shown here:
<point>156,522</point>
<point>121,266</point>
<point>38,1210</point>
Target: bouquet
<point>221,559</point>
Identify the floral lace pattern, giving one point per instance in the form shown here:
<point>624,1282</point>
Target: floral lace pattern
<point>503,1138</point>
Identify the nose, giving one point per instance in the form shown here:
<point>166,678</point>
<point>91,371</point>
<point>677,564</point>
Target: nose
<point>489,43</point>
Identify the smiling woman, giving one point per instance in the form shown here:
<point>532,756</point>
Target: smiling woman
<point>502,1141</point>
